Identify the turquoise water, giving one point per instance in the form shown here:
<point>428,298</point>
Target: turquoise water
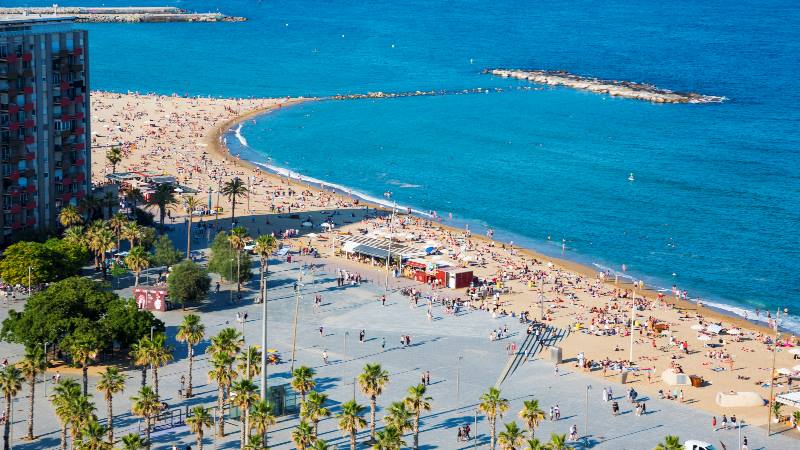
<point>715,206</point>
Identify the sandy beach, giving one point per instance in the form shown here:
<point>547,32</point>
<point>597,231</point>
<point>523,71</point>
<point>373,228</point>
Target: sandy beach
<point>183,137</point>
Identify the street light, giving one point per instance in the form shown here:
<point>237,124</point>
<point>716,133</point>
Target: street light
<point>475,436</point>
<point>633,316</point>
<point>586,418</point>
<point>772,373</point>
<point>297,287</point>
<point>153,327</point>
<point>45,369</point>
<point>458,381</point>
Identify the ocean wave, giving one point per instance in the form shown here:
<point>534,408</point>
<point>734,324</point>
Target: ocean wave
<point>238,133</point>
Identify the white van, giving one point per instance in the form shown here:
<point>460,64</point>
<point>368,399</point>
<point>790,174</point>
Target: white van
<point>698,445</point>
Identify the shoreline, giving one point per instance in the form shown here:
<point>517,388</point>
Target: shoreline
<point>650,292</point>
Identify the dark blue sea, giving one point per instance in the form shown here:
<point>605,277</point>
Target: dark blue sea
<point>715,205</point>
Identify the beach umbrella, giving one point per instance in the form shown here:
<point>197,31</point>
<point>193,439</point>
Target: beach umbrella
<point>703,337</point>
<point>784,371</point>
<point>794,351</point>
<point>697,327</point>
<point>734,331</point>
<point>326,225</point>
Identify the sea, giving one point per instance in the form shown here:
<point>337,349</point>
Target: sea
<point>714,205</point>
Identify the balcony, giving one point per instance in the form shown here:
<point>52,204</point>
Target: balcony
<point>13,108</point>
<point>80,178</point>
<point>77,67</point>
<point>79,131</point>
<point>30,205</point>
<point>28,90</point>
<point>30,140</point>
<point>13,175</point>
<point>31,189</point>
<point>27,57</point>
<point>78,51</point>
<point>15,209</point>
<point>30,123</point>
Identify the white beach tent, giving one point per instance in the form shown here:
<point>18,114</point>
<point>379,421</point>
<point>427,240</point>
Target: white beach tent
<point>674,378</point>
<point>790,398</point>
<point>714,328</point>
<point>739,399</point>
<point>697,327</point>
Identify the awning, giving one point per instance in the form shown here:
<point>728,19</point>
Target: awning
<point>371,251</point>
<point>791,399</point>
<point>349,244</point>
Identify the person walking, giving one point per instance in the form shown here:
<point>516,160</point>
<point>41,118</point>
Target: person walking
<point>383,343</point>
<point>724,422</point>
<point>325,356</point>
<point>714,423</point>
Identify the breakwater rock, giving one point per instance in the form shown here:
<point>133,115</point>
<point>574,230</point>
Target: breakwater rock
<point>131,14</point>
<point>614,88</point>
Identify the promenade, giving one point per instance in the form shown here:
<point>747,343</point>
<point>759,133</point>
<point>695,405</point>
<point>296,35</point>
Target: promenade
<point>456,350</point>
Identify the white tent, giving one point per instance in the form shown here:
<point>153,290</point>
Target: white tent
<point>673,378</point>
<point>791,399</point>
<point>739,399</point>
<point>713,328</point>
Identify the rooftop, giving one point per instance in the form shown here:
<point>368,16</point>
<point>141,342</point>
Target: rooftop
<point>14,21</point>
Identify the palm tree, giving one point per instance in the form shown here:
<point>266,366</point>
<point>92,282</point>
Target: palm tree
<point>265,245</point>
<point>416,402</point>
<point>10,384</point>
<point>254,442</point>
<point>117,224</point>
<point>109,201</point>
<point>111,382</point>
<point>139,356</point>
<point>114,156</point>
<point>350,421</point>
<point>511,438</point>
<point>163,197</point>
<point>398,417</point>
<point>320,444</point>
<point>83,351</point>
<point>81,412</point>
<point>249,362</point>
<point>159,355</point>
<point>134,196</point>
<point>64,395</point>
<point>493,405</point>
<point>303,435</point>
<point>390,438</point>
<point>314,410</point>
<point>531,415</point>
<point>132,232</point>
<point>190,204</point>
<point>232,189</point>
<point>670,443</point>
<point>69,216</point>
<point>93,434</point>
<point>534,444</point>
<point>75,235</point>
<point>137,260</point>
<point>101,240</point>
<point>372,381</point>
<point>221,374</point>
<point>246,393</point>
<point>132,441</point>
<point>90,204</point>
<point>237,241</point>
<point>261,419</point>
<point>303,381</point>
<point>146,405</point>
<point>32,365</point>
<point>557,442</point>
<point>198,422</point>
<point>191,331</point>
<point>228,342</point>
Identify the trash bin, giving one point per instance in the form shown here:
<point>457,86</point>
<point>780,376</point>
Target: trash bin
<point>696,381</point>
<point>623,377</point>
<point>555,355</point>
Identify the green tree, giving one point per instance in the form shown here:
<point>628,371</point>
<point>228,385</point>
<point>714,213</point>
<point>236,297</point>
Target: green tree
<point>64,395</point>
<point>399,417</point>
<point>132,232</point>
<point>188,283</point>
<point>192,331</point>
<point>10,384</point>
<point>32,365</point>
<point>261,419</point>
<point>493,404</point>
<point>511,438</point>
<point>670,443</point>
<point>190,203</point>
<point>163,197</point>
<point>535,444</point>
<point>265,245</point>
<point>69,216</point>
<point>223,260</point>
<point>227,342</point>
<point>100,241</point>
<point>531,415</point>
<point>198,421</point>
<point>390,438</point>
<point>114,156</point>
<point>417,402</point>
<point>93,434</point>
<point>314,410</point>
<point>124,323</point>
<point>164,252</point>
<point>303,435</point>
<point>233,189</point>
<point>137,260</point>
<point>159,355</point>
<point>372,381</point>
<point>83,346</point>
<point>132,441</point>
<point>320,444</point>
<point>134,196</point>
<point>350,421</point>
<point>117,223</point>
<point>557,442</point>
<point>303,381</point>
<point>236,239</point>
<point>81,411</point>
<point>111,382</point>
<point>74,235</point>
<point>140,357</point>
<point>222,375</point>
<point>147,406</point>
<point>245,393</point>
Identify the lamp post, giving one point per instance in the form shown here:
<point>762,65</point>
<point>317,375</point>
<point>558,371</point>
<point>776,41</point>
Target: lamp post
<point>389,253</point>
<point>152,328</point>
<point>633,316</point>
<point>29,280</point>
<point>772,375</point>
<point>264,336</point>
<point>216,210</point>
<point>346,335</point>
<point>458,381</point>
<point>739,426</point>
<point>475,436</point>
<point>297,287</point>
<point>586,418</point>
<point>45,370</point>
<point>541,296</point>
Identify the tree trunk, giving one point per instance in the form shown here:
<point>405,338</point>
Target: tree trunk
<point>416,431</point>
<point>63,437</point>
<point>191,362</point>
<point>491,434</point>
<point>110,420</point>
<point>221,411</point>
<point>147,431</point>
<point>247,424</point>
<point>372,405</point>
<point>189,237</point>
<point>200,439</point>
<point>32,382</point>
<point>238,272</point>
<point>155,380</point>
<point>136,278</point>
<point>85,371</point>
<point>353,440</point>
<point>144,376</point>
<point>233,210</point>
<point>261,283</point>
<point>7,424</point>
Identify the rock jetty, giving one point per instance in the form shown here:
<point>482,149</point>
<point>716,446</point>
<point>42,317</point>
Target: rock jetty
<point>131,14</point>
<point>614,88</point>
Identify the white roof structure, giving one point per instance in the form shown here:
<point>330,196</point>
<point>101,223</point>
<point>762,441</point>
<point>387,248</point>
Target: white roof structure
<point>790,398</point>
<point>350,243</point>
